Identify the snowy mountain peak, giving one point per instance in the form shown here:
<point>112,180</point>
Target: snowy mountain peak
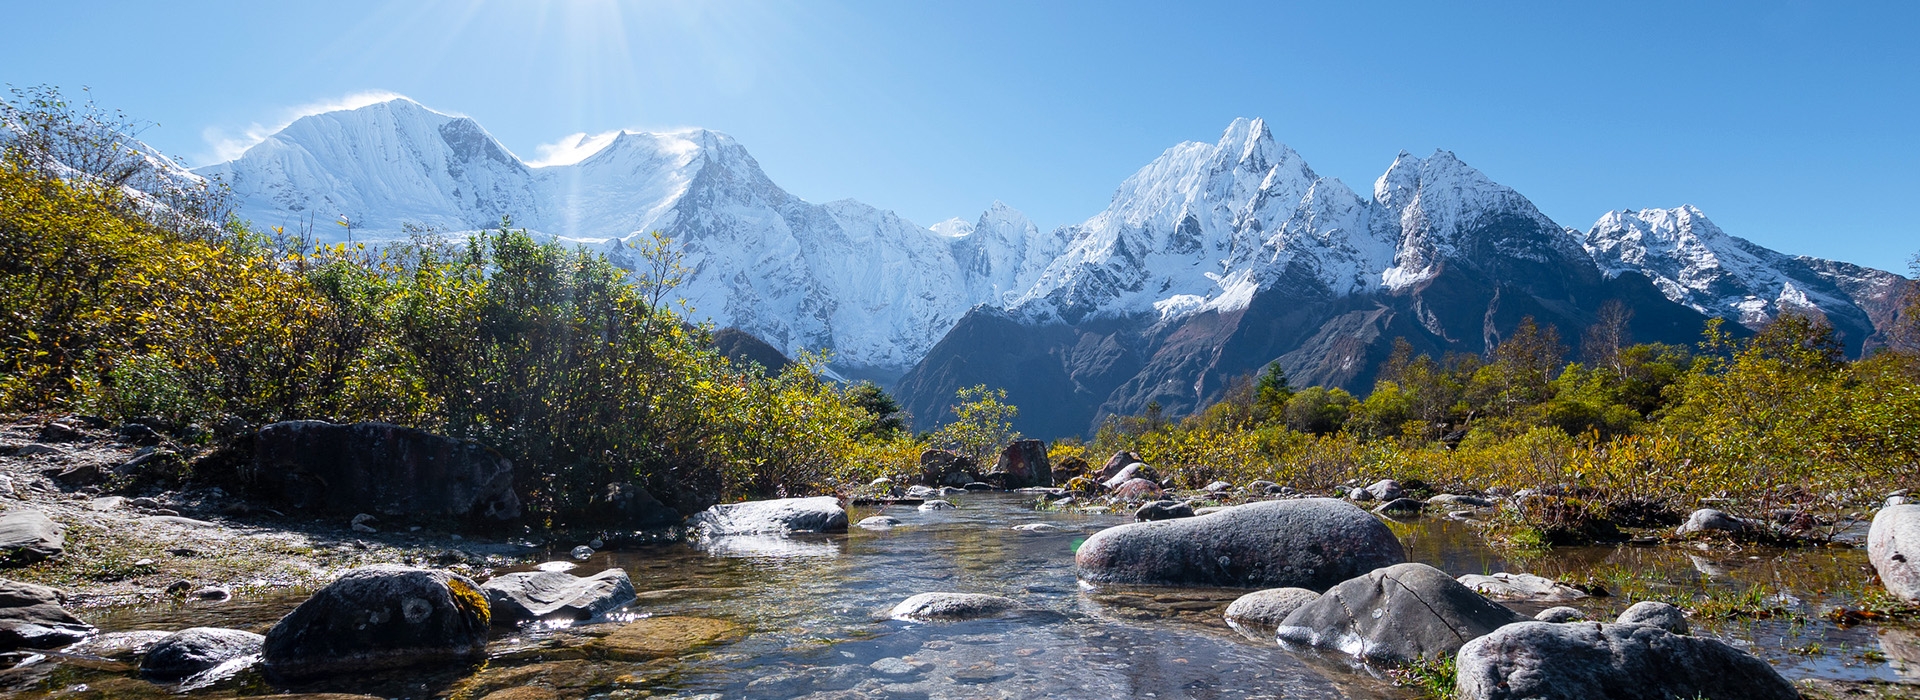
<point>955,227</point>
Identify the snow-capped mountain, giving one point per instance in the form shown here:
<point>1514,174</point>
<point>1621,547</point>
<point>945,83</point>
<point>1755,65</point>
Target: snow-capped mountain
<point>1695,263</point>
<point>874,289</point>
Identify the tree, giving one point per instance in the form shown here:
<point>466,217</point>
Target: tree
<point>1606,337</point>
<point>886,421</point>
<point>1318,410</point>
<point>983,423</point>
<point>1271,393</point>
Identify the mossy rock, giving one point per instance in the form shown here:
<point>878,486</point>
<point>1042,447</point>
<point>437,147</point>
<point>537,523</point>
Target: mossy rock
<point>657,637</point>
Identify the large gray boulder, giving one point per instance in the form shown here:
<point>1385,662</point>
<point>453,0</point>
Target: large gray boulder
<point>554,595</point>
<point>381,469</point>
<point>1395,615</point>
<point>1656,614</point>
<point>940,606</point>
<point>1581,660</point>
<point>32,617</point>
<point>195,649</point>
<point>1386,490</point>
<point>381,617</point>
<point>1259,614</point>
<point>28,536</point>
<point>1893,545</point>
<point>1025,464</point>
<point>1310,543</point>
<point>782,515</point>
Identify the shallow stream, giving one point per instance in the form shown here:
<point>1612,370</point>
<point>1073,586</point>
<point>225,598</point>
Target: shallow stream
<point>815,612</point>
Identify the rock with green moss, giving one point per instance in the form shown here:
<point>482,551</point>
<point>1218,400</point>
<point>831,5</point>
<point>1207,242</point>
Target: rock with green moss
<point>381,617</point>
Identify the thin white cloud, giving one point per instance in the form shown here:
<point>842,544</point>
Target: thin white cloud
<point>226,145</point>
<point>571,148</point>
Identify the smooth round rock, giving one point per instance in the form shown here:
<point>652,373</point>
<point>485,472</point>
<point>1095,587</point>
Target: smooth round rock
<point>553,595</point>
<point>1386,490</point>
<point>1163,510</point>
<point>1893,546</point>
<point>816,514</point>
<point>1656,614</point>
<point>1620,662</point>
<point>1521,587</point>
<point>1261,612</point>
<point>1395,615</point>
<point>381,617</point>
<point>932,607</point>
<point>1400,506</point>
<point>1710,521</point>
<point>878,522</point>
<point>937,505</point>
<point>190,651</point>
<point>1310,543</point>
<point>1560,614</point>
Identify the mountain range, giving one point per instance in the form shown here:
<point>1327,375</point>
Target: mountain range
<point>1212,261</point>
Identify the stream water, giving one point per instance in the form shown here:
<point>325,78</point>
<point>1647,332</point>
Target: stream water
<point>815,612</point>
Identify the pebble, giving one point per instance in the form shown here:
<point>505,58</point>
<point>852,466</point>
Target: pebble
<point>582,552</point>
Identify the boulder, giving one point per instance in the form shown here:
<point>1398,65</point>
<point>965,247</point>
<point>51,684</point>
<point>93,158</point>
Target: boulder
<point>1163,510</point>
<point>1655,614</point>
<point>1399,506</point>
<point>554,595</point>
<point>32,617</point>
<point>1308,543</point>
<point>1893,545</point>
<point>943,468</point>
<point>1710,521</point>
<point>1135,488</point>
<point>1386,490</point>
<point>1360,494</point>
<point>195,649</point>
<point>1261,612</point>
<point>118,646</point>
<point>878,522</point>
<point>930,607</point>
<point>1453,499</point>
<point>1560,614</point>
<point>1521,587</point>
<point>782,515</point>
<point>27,536</point>
<point>1621,662</point>
<point>1137,470</point>
<point>1025,464</point>
<point>1396,615</point>
<point>379,468</point>
<point>1114,464</point>
<point>630,507</point>
<point>381,617</point>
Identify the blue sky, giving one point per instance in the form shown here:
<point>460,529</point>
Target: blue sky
<point>1792,124</point>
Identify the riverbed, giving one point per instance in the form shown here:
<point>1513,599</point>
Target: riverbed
<point>814,610</point>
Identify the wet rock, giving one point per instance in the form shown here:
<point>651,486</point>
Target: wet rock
<point>1038,528</point>
<point>581,553</point>
<point>1395,615</point>
<point>660,637</point>
<point>1306,543</point>
<point>213,593</point>
<point>1655,614</point>
<point>381,617</point>
<point>1893,545</point>
<point>921,492</point>
<point>878,522</point>
<point>190,651</point>
<point>943,468</point>
<point>1119,461</point>
<point>980,486</point>
<point>1137,470</point>
<point>929,607</point>
<point>1163,510</point>
<point>32,617</point>
<point>553,595</point>
<point>379,468</point>
<point>1399,506</point>
<point>1521,587</point>
<point>27,536</point>
<point>1025,464</point>
<point>1386,490</point>
<point>1261,612</point>
<point>1561,614</point>
<point>937,504</point>
<point>816,514</point>
<point>1135,488</point>
<point>1710,521</point>
<point>1620,662</point>
<point>1453,499</point>
<point>896,666</point>
<point>118,646</point>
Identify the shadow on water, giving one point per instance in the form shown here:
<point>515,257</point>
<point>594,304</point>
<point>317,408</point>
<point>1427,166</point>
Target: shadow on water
<point>815,612</point>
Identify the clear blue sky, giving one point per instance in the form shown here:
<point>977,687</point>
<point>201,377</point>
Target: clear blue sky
<point>1793,124</point>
